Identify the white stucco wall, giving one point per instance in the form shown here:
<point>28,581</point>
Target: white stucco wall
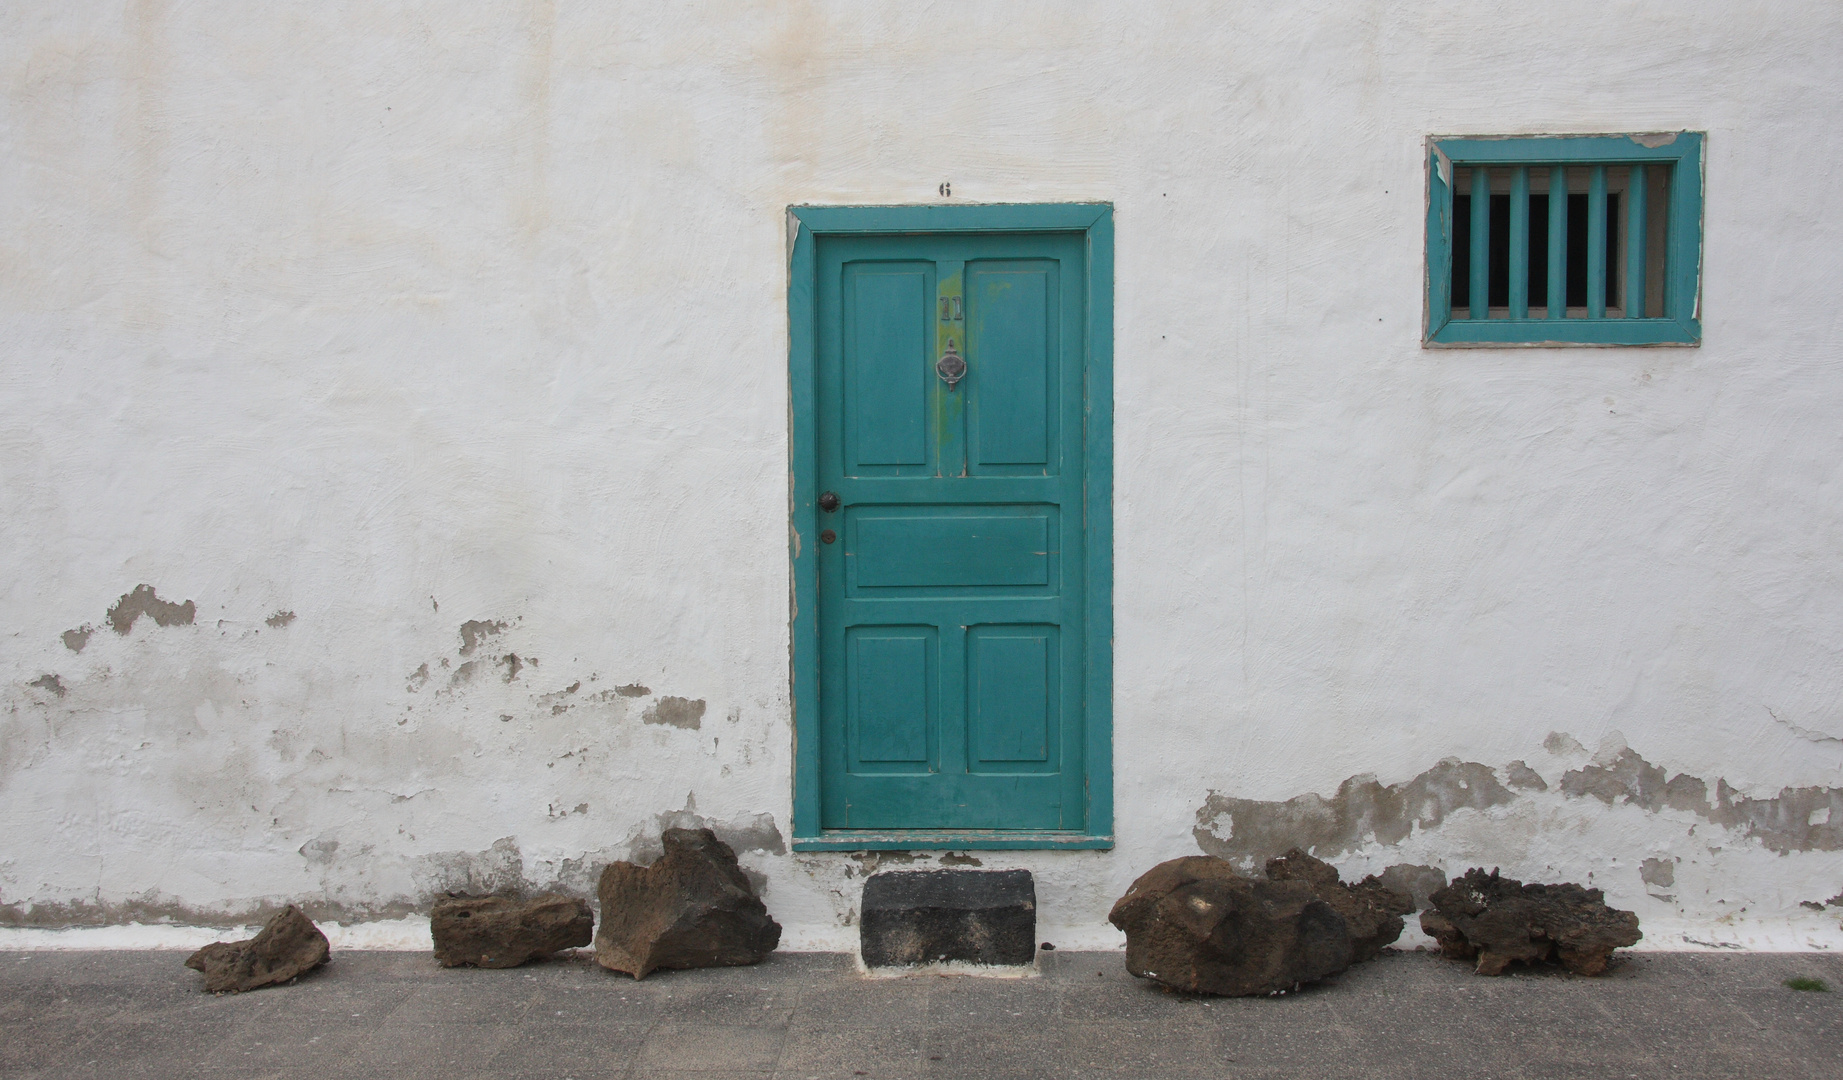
<point>401,317</point>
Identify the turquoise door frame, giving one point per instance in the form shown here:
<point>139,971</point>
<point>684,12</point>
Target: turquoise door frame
<point>1092,226</point>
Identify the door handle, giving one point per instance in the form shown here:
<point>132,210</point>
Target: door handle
<point>951,367</point>
<point>828,501</point>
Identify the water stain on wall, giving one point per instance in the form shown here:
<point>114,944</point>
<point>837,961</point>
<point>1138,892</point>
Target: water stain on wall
<point>144,601</point>
<point>675,712</point>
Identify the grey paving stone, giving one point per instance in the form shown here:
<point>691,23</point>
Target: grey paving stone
<point>693,1045</point>
<point>1412,1016</point>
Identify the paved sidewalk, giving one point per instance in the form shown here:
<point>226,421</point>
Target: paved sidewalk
<point>399,1016</point>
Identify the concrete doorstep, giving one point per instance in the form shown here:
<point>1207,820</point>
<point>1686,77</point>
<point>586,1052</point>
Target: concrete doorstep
<point>400,1016</point>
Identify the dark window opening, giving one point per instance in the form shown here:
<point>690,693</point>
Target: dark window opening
<point>1498,258</point>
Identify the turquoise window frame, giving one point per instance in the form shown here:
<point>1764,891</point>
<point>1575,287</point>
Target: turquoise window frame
<point>805,224</point>
<point>1680,323</point>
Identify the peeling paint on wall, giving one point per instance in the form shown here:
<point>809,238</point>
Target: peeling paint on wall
<point>1797,819</point>
<point>675,712</point>
<point>75,640</point>
<point>279,619</point>
<point>144,601</point>
<point>474,631</point>
<point>51,683</point>
<point>1247,832</point>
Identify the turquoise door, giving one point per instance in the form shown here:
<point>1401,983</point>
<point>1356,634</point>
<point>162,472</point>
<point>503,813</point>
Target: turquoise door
<point>950,564</point>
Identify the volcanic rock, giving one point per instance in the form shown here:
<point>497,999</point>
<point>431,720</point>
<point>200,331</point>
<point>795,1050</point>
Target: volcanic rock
<point>1372,911</point>
<point>691,908</point>
<point>1498,920</point>
<point>972,916</point>
<point>1194,924</point>
<point>288,947</point>
<point>499,932</point>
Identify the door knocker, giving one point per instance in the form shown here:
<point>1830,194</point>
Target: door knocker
<point>951,367</point>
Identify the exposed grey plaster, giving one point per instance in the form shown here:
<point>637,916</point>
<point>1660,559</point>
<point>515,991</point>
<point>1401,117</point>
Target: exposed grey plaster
<point>475,631</point>
<point>1797,819</point>
<point>144,601</point>
<point>320,850</point>
<point>1249,831</point>
<point>499,869</point>
<point>1659,875</point>
<point>632,690</point>
<point>1417,881</point>
<point>675,712</point>
<point>75,640</point>
<point>280,619</point>
<point>1519,775</point>
<point>153,909</point>
<point>51,683</point>
<point>955,858</point>
<point>749,832</point>
<point>1562,744</point>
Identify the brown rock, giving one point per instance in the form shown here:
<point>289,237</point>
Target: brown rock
<point>1498,920</point>
<point>692,908</point>
<point>290,946</point>
<point>1194,924</point>
<point>499,932</point>
<point>1370,909</point>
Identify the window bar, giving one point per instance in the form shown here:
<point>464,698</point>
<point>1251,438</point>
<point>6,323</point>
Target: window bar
<point>1519,242</point>
<point>1481,243</point>
<point>1596,243</point>
<point>1636,237</point>
<point>1558,243</point>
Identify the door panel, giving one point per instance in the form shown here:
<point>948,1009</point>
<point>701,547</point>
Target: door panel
<point>951,636</point>
<point>952,547</point>
<point>891,671</point>
<point>1011,327</point>
<point>887,340</point>
<point>1013,694</point>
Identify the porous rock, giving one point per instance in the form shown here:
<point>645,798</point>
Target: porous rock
<point>288,947</point>
<point>971,916</point>
<point>501,932</point>
<point>691,908</point>
<point>1496,920</point>
<point>1372,911</point>
<point>1194,924</point>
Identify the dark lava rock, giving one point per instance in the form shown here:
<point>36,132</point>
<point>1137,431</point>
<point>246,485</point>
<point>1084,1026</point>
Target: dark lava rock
<point>975,916</point>
<point>1497,920</point>
<point>1194,924</point>
<point>692,908</point>
<point>1372,911</point>
<point>498,932</point>
<point>290,946</point>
